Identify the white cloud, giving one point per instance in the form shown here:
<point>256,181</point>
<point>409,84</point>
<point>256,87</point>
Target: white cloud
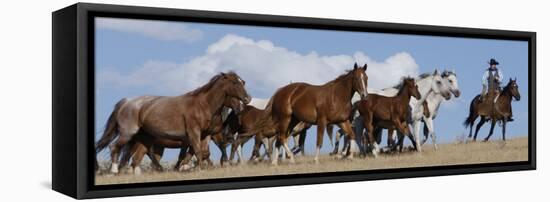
<point>263,65</point>
<point>161,30</point>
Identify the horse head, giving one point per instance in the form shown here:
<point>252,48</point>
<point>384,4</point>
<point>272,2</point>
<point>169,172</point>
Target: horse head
<point>450,80</point>
<point>409,84</point>
<point>233,86</point>
<point>360,80</point>
<point>513,89</point>
<point>438,86</point>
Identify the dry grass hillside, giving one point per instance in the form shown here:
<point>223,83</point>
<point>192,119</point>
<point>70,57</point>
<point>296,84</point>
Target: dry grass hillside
<point>447,154</point>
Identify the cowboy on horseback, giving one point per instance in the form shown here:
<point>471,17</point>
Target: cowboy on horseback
<point>491,82</point>
<point>491,76</point>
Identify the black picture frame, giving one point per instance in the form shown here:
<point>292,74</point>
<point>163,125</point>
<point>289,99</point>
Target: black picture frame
<point>73,100</point>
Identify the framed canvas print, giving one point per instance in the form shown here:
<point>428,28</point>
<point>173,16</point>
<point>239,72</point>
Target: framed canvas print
<point>155,100</point>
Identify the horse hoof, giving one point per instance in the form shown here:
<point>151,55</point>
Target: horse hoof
<point>292,161</point>
<point>114,168</point>
<point>137,171</point>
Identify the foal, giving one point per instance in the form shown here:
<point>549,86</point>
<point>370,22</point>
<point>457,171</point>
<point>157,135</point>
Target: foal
<point>388,112</point>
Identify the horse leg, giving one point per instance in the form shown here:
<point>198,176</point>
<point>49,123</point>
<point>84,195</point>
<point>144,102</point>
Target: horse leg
<point>336,144</point>
<point>346,126</point>
<point>256,156</point>
<point>431,131</point>
<point>137,158</point>
<point>416,131</point>
<point>403,129</point>
<point>195,142</point>
<point>223,159</point>
<point>287,149</point>
<point>302,141</point>
<point>493,123</point>
<point>330,129</point>
<point>234,146</point>
<point>391,140</point>
<point>359,128</point>
<point>155,154</point>
<point>115,150</point>
<point>367,122</point>
<point>472,125</point>
<point>504,129</point>
<point>284,127</point>
<point>296,148</point>
<point>183,158</point>
<point>206,151</point>
<point>320,130</point>
<point>268,144</point>
<point>127,153</point>
<point>481,122</point>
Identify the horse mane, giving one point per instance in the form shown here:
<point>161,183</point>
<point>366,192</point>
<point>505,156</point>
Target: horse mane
<point>340,78</point>
<point>206,87</point>
<point>506,88</point>
<point>424,75</point>
<point>401,84</point>
<point>447,73</point>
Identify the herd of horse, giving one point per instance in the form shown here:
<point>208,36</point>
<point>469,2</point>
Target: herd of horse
<point>222,112</point>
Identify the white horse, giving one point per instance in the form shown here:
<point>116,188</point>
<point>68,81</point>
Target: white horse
<point>433,89</point>
<point>434,101</point>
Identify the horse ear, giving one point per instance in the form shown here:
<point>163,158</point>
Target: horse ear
<point>355,66</point>
<point>365,67</point>
<point>515,78</point>
<point>436,72</point>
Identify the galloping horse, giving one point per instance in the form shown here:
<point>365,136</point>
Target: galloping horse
<point>240,125</point>
<point>388,112</point>
<point>433,101</point>
<point>433,88</point>
<point>496,107</point>
<point>154,146</point>
<point>178,117</point>
<point>329,103</point>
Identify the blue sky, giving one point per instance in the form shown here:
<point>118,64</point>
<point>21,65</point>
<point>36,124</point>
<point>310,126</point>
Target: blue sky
<point>136,57</point>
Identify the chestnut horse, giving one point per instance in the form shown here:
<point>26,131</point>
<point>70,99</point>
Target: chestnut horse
<point>388,112</point>
<point>154,146</point>
<point>321,105</point>
<point>493,108</point>
<point>183,117</point>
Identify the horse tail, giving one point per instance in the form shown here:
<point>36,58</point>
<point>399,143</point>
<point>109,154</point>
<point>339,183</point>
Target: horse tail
<point>111,128</point>
<point>470,119</point>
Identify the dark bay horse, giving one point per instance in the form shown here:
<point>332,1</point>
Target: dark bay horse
<point>321,105</point>
<point>143,143</point>
<point>174,117</point>
<point>241,126</point>
<point>493,108</point>
<point>388,112</point>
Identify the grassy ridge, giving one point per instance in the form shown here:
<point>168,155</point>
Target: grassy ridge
<point>447,154</point>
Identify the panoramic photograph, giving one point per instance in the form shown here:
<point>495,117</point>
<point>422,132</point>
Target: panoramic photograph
<point>178,101</point>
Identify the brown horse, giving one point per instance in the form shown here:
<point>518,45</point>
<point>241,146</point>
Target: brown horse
<point>241,125</point>
<point>178,117</point>
<point>388,112</point>
<point>154,146</point>
<point>321,105</point>
<point>494,109</point>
